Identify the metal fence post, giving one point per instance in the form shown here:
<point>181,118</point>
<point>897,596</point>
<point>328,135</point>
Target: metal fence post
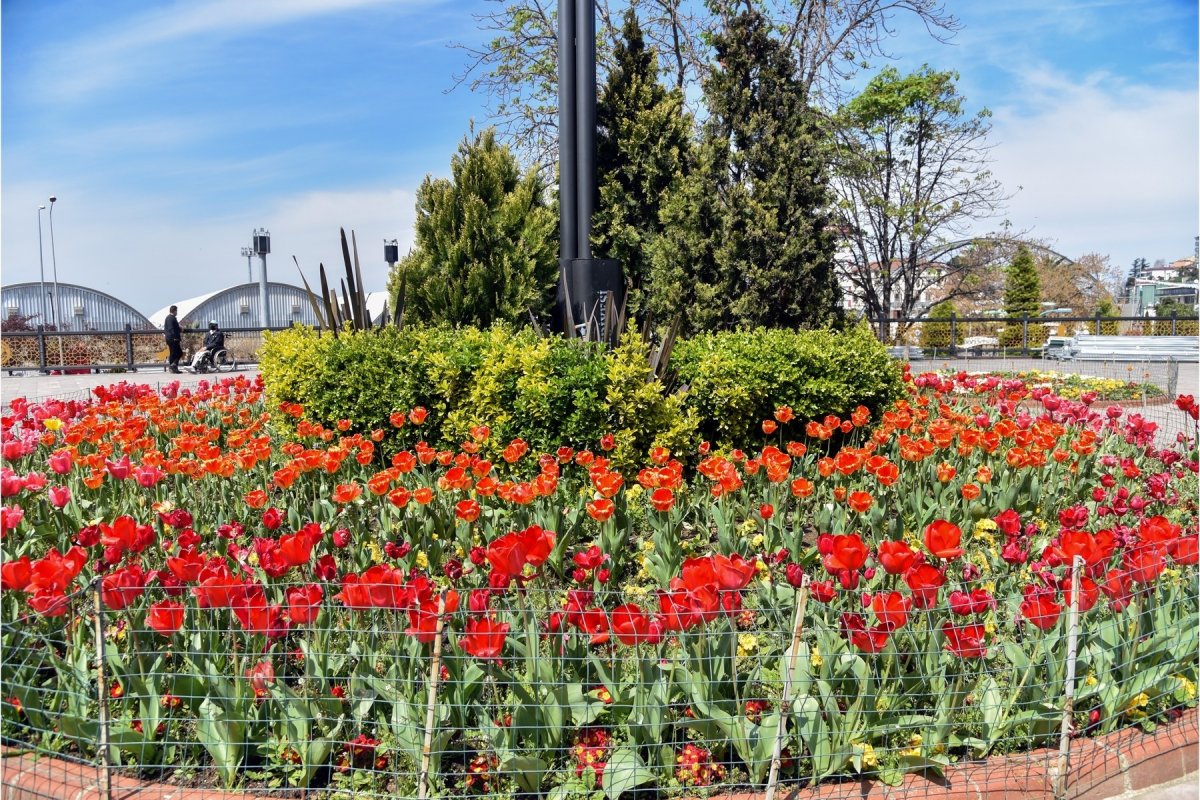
<point>1174,322</point>
<point>1097,323</point>
<point>129,345</point>
<point>41,337</point>
<point>102,695</point>
<point>1025,334</point>
<point>953,334</point>
<point>1172,377</point>
<point>1064,738</point>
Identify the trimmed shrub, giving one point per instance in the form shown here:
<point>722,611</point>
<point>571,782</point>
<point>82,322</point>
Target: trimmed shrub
<point>736,380</point>
<point>554,391</point>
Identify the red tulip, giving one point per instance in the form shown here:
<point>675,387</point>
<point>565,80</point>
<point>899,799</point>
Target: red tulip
<point>891,609</point>
<point>868,640</point>
<point>662,499</point>
<point>734,572</point>
<point>1039,607</point>
<point>1145,563</point>
<point>966,641</point>
<point>484,638</point>
<point>895,557</point>
<point>467,510</point>
<point>15,574</point>
<point>304,603</point>
<point>600,510</point>
<point>120,588</point>
<point>848,553</point>
<point>165,618</point>
<point>943,539</point>
<point>925,580</point>
<point>631,624</point>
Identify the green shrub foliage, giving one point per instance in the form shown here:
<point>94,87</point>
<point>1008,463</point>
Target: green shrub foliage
<point>736,380</point>
<point>554,391</point>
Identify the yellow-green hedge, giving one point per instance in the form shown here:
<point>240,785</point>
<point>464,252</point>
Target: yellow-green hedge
<point>551,391</point>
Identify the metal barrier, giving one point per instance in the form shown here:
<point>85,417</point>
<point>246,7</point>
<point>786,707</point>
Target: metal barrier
<point>1009,337</point>
<point>130,349</point>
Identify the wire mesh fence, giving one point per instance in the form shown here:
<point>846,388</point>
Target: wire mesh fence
<point>198,593</point>
<point>368,691</point>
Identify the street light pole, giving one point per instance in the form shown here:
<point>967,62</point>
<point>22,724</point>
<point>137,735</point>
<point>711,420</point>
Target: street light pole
<point>42,268</point>
<point>248,254</point>
<point>54,264</point>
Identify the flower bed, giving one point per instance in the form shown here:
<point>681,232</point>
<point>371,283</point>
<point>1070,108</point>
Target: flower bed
<point>279,611</point>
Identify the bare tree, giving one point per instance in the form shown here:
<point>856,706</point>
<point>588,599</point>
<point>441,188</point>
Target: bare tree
<point>911,171</point>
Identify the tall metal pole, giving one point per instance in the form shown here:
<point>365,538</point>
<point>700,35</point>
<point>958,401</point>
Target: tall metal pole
<point>248,254</point>
<point>567,171</point>
<point>585,116</point>
<point>54,264</point>
<point>42,267</point>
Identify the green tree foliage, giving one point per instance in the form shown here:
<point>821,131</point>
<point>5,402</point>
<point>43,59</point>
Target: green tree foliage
<point>643,145</point>
<point>485,248</point>
<point>748,239</point>
<point>936,335</point>
<point>515,61</point>
<point>1105,309</point>
<point>1185,317</point>
<point>1022,297</point>
<point>911,172</point>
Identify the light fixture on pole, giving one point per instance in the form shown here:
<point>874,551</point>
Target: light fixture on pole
<point>248,254</point>
<point>261,245</point>
<point>41,268</point>
<point>54,263</point>
<point>391,252</point>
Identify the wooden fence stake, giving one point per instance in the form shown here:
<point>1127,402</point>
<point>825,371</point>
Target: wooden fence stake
<point>785,706</point>
<point>435,672</point>
<point>1064,739</point>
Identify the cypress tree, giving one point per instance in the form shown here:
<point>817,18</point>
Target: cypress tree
<point>485,248</point>
<point>749,240</point>
<point>1022,296</point>
<point>643,143</point>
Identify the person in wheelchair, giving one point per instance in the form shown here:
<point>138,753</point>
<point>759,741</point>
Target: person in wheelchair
<point>214,343</point>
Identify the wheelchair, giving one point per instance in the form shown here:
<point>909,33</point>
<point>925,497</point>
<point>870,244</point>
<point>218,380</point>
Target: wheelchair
<point>219,361</point>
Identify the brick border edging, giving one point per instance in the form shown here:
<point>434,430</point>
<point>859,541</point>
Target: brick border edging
<point>1107,767</point>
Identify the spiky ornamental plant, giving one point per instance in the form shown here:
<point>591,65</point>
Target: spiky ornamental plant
<point>749,240</point>
<point>485,248</point>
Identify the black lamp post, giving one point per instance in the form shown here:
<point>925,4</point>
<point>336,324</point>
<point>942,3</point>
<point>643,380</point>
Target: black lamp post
<point>585,283</point>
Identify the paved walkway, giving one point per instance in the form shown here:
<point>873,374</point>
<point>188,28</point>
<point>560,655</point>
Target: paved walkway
<point>35,386</point>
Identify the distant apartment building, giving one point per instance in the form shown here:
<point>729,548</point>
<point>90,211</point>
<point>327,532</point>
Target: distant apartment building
<point>928,296</point>
<point>1175,281</point>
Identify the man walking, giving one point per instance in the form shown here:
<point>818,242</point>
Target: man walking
<point>174,337</point>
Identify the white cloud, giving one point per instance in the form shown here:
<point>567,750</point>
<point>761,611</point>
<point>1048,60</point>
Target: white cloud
<point>174,39</point>
<point>1104,166</point>
<point>150,255</point>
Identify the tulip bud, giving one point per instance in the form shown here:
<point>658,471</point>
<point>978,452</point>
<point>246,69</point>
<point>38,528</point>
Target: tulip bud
<point>341,537</point>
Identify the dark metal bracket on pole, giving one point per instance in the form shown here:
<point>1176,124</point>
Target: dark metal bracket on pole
<point>585,283</point>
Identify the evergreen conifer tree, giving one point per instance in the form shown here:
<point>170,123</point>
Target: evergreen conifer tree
<point>748,239</point>
<point>485,248</point>
<point>1022,297</point>
<point>643,143</point>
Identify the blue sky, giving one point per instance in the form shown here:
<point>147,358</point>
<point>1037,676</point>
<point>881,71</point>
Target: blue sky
<point>170,130</point>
